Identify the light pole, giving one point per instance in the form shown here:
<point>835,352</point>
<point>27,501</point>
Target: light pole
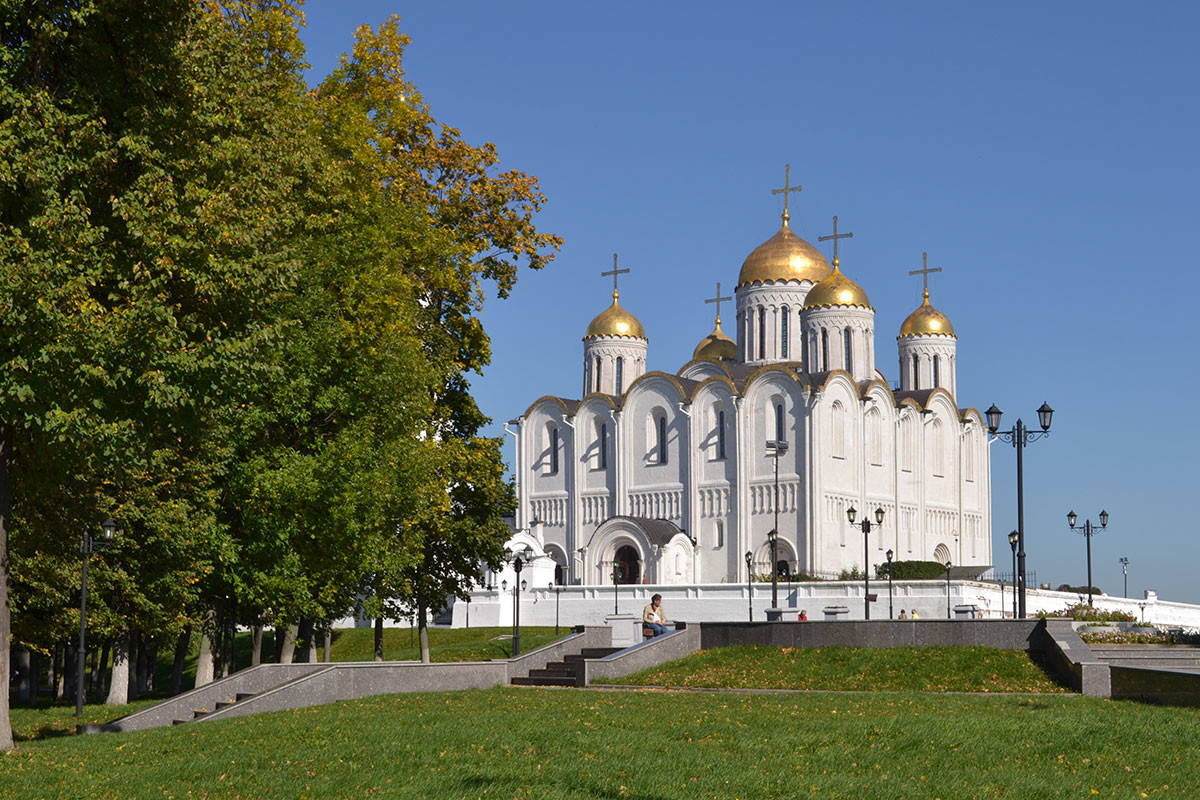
<point>889,558</point>
<point>1012,542</point>
<point>948,590</point>
<point>852,514</point>
<point>616,591</point>
<point>87,546</point>
<point>557,602</point>
<point>1125,574</point>
<point>1020,436</point>
<point>518,559</point>
<point>777,447</point>
<point>750,585</point>
<point>1087,530</point>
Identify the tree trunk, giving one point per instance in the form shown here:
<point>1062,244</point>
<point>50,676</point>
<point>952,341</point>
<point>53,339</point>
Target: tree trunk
<point>60,654</point>
<point>21,672</point>
<point>288,646</point>
<point>102,668</point>
<point>204,664</point>
<point>151,665</point>
<point>379,638</point>
<point>423,626</point>
<point>137,648</point>
<point>256,645</point>
<point>308,651</point>
<point>181,651</point>
<point>6,736</point>
<point>118,691</point>
<point>328,641</point>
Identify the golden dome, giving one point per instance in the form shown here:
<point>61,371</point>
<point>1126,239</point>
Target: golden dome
<point>926,321</point>
<point>783,257</point>
<point>836,290</point>
<point>716,346</point>
<point>615,321</point>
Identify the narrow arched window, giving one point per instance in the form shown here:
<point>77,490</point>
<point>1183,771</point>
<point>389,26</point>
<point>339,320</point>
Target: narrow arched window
<point>916,373</point>
<point>779,422</point>
<point>847,342</point>
<point>587,377</point>
<point>937,371</point>
<point>825,351</point>
<point>762,332</point>
<point>783,332</point>
<point>720,434</point>
<point>620,374</point>
<point>599,385</point>
<point>805,356</point>
<point>662,440</point>
<point>720,534</point>
<point>602,461</point>
<point>553,451</point>
<point>837,431</point>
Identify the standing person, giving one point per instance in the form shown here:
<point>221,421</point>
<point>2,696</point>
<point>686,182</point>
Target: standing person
<point>903,614</point>
<point>803,615</point>
<point>914,613</point>
<point>653,616</point>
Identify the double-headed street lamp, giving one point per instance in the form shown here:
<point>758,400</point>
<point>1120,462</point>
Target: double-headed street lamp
<point>1087,530</point>
<point>1012,542</point>
<point>1020,436</point>
<point>1125,574</point>
<point>852,514</point>
<point>518,559</point>
<point>889,558</point>
<point>87,546</point>
<point>777,448</point>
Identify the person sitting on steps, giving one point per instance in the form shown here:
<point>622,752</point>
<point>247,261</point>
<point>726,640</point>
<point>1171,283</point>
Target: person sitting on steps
<point>653,616</point>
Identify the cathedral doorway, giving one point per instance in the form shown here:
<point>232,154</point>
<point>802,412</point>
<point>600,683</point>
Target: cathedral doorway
<point>627,565</point>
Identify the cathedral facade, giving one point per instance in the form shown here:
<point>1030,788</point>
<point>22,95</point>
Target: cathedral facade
<point>679,477</point>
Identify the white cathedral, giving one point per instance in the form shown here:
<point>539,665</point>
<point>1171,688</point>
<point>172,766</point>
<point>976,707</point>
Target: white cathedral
<point>670,478</point>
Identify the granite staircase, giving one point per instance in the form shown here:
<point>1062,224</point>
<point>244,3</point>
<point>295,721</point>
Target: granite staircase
<point>220,705</point>
<point>1174,657</point>
<point>567,672</point>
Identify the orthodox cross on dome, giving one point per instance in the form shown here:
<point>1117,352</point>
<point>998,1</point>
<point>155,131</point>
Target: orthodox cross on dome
<point>835,236</point>
<point>924,273</point>
<point>614,272</point>
<point>786,190</point>
<point>717,300</point>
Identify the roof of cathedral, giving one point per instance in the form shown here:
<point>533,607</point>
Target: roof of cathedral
<point>615,321</point>
<point>836,290</point>
<point>716,346</point>
<point>926,321</point>
<point>784,257</point>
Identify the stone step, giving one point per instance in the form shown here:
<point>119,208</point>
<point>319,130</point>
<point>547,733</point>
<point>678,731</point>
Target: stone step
<point>245,696</point>
<point>180,721</point>
<point>552,673</point>
<point>599,652</point>
<point>543,681</point>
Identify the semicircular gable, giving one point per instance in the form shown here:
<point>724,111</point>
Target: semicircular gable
<point>656,377</point>
<point>551,400</point>
<point>713,386</point>
<point>971,413</point>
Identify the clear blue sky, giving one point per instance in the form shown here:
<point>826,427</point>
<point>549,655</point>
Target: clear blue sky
<point>1044,154</point>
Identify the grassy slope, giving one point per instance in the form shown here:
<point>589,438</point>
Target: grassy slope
<point>930,669</point>
<point>573,743</point>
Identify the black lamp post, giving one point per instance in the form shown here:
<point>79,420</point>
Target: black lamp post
<point>777,447</point>
<point>852,514</point>
<point>557,602</point>
<point>1125,574</point>
<point>948,590</point>
<point>87,546</point>
<point>750,585</point>
<point>889,558</point>
<point>1020,436</point>
<point>1012,542</point>
<point>519,559</point>
<point>1087,530</point>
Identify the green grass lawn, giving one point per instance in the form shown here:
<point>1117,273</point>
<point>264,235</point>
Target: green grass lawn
<point>545,743</point>
<point>929,669</point>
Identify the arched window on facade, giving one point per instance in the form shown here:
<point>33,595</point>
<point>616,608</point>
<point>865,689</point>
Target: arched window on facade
<point>627,566</point>
<point>783,332</point>
<point>846,346</point>
<point>620,374</point>
<point>837,430</point>
<point>969,458</point>
<point>916,384</point>
<point>762,332</point>
<point>805,356</point>
<point>662,440</point>
<point>908,442</point>
<point>553,451</point>
<point>719,534</point>
<point>824,351</point>
<point>937,372</point>
<point>602,442</point>
<point>937,453</point>
<point>599,385</point>
<point>779,430</point>
<point>587,378</point>
<point>721,434</point>
<point>874,428</point>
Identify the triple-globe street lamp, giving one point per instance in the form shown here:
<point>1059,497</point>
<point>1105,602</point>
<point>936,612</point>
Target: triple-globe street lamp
<point>777,448</point>
<point>1020,436</point>
<point>519,559</point>
<point>1087,530</point>
<point>852,514</point>
<point>87,546</point>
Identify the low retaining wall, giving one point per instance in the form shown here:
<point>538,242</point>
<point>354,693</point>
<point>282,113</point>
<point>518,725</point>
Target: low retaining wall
<point>1021,634</point>
<point>1160,686</point>
<point>650,653</point>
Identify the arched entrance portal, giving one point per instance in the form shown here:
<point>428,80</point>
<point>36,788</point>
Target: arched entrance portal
<point>627,565</point>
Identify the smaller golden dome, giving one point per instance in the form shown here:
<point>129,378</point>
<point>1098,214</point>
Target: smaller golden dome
<point>926,321</point>
<point>716,346</point>
<point>784,257</point>
<point>836,290</point>
<point>615,321</point>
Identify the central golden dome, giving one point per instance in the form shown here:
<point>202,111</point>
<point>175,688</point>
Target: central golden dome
<point>716,346</point>
<point>784,257</point>
<point>615,321</point>
<point>926,321</point>
<point>836,290</point>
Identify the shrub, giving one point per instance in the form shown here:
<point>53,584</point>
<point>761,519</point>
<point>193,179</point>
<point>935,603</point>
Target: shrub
<point>912,570</point>
<point>1084,612</point>
<point>1066,587</point>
